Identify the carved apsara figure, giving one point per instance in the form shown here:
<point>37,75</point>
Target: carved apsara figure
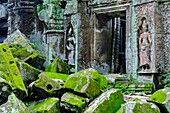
<point>144,46</point>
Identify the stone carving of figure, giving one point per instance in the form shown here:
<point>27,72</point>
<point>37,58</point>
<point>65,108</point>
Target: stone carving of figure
<point>144,46</point>
<point>3,12</point>
<point>70,46</point>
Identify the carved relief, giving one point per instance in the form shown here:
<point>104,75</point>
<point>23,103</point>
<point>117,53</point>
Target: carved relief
<point>70,47</point>
<point>144,45</point>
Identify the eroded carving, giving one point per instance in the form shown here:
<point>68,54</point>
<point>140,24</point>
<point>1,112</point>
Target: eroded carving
<point>144,45</point>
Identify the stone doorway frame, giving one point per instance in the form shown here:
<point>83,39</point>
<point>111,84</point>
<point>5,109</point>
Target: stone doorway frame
<point>111,8</point>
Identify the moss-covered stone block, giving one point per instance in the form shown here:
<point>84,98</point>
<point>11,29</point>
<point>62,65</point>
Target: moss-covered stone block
<point>56,75</point>
<point>73,103</point>
<point>24,50</point>
<point>108,102</point>
<point>49,105</point>
<point>28,73</point>
<point>9,67</point>
<point>46,86</point>
<point>138,106</point>
<point>162,98</point>
<point>13,105</point>
<point>58,66</point>
<point>83,84</point>
<point>96,76</point>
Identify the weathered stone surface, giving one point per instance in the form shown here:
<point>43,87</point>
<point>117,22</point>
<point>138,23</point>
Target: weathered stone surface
<point>12,74</point>
<point>108,102</point>
<point>24,50</point>
<point>72,102</point>
<point>56,75</point>
<point>87,82</point>
<point>46,86</point>
<point>137,106</point>
<point>5,87</point>
<point>49,105</point>
<point>13,105</point>
<point>162,98</point>
<point>58,66</point>
<point>28,73</point>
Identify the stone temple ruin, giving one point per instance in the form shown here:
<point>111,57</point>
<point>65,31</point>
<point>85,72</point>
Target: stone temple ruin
<point>112,36</point>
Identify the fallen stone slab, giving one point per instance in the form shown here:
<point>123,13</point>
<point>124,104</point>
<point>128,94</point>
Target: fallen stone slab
<point>138,106</point>
<point>108,102</point>
<point>162,99</point>
<point>13,105</point>
<point>49,105</point>
<point>72,103</point>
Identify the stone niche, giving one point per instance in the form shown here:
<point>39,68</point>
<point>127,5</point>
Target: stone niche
<point>3,20</point>
<point>111,22</point>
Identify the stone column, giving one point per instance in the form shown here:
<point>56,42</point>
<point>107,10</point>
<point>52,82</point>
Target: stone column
<point>51,14</point>
<point>21,15</point>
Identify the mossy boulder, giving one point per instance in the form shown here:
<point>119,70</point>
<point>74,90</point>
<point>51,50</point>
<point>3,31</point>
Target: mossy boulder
<point>58,66</point>
<point>13,105</point>
<point>12,74</point>
<point>138,106</point>
<point>46,86</point>
<point>28,73</point>
<point>49,105</point>
<point>96,76</point>
<point>162,99</point>
<point>72,103</point>
<point>83,84</point>
<point>24,50</point>
<point>53,75</point>
<point>108,102</point>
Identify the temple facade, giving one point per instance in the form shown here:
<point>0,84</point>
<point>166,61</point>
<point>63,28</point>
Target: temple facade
<point>113,36</point>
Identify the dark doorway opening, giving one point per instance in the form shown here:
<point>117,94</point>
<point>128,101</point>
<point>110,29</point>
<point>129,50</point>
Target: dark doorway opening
<point>111,42</point>
<point>119,44</point>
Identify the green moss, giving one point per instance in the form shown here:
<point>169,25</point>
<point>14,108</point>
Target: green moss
<point>9,67</point>
<point>49,105</point>
<point>58,66</point>
<point>158,97</point>
<point>56,75</point>
<point>74,100</point>
<point>145,108</point>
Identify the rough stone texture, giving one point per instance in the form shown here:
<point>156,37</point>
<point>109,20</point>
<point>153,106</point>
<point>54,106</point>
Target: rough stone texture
<point>12,74</point>
<point>28,73</point>
<point>24,50</point>
<point>72,102</point>
<point>137,106</point>
<point>13,105</point>
<point>108,102</point>
<point>58,66</point>
<point>46,86</point>
<point>49,105</point>
<point>87,82</point>
<point>56,75</point>
<point>162,98</point>
<point>21,15</point>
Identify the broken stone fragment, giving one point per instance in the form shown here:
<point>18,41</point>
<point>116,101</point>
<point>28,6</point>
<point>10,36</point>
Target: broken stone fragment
<point>5,88</point>
<point>49,105</point>
<point>28,73</point>
<point>56,75</point>
<point>72,103</point>
<point>83,84</point>
<point>58,66</point>
<point>46,86</point>
<point>12,74</point>
<point>162,99</point>
<point>138,106</point>
<point>24,50</point>
<point>108,102</point>
<point>13,105</point>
